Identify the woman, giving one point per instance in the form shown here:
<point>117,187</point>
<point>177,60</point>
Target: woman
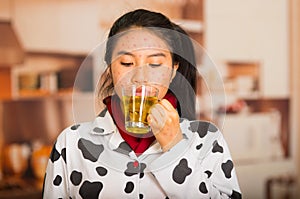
<point>179,158</point>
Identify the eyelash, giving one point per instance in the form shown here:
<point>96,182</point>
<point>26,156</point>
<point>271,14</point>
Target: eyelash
<point>127,63</point>
<point>131,63</point>
<point>154,65</point>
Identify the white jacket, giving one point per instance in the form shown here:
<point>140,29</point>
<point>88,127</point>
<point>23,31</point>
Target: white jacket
<point>91,160</point>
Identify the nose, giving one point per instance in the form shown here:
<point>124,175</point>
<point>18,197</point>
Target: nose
<point>139,75</point>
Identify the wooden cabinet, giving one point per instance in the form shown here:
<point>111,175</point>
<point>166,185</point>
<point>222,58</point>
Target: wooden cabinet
<point>44,75</point>
<point>5,10</point>
<point>64,26</point>
<point>193,13</point>
<point>5,83</point>
<point>247,31</point>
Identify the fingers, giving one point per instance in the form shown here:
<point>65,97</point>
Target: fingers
<point>160,113</point>
<point>157,117</point>
<point>172,112</point>
<point>167,105</point>
<point>164,122</point>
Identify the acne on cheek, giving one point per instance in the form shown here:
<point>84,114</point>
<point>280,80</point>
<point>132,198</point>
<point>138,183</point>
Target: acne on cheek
<point>162,79</point>
<point>158,77</point>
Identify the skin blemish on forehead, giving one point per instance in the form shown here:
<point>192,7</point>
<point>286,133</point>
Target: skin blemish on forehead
<point>141,39</point>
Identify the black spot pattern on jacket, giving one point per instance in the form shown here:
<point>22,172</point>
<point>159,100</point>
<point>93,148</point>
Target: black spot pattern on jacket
<point>89,150</point>
<point>90,190</point>
<point>181,171</point>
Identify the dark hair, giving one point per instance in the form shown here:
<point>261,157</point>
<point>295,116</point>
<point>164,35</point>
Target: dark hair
<point>187,72</point>
<point>181,49</point>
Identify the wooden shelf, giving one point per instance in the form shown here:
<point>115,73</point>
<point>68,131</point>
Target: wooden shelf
<point>42,95</point>
<point>243,78</point>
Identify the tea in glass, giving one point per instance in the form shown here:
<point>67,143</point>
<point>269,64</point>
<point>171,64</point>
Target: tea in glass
<point>137,101</point>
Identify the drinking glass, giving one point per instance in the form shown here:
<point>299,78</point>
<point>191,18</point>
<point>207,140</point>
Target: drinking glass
<point>137,101</point>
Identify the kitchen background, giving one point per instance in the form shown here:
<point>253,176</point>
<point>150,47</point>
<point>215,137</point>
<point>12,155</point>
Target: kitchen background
<point>254,43</point>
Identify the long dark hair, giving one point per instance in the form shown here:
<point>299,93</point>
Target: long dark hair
<point>184,84</point>
<point>181,49</point>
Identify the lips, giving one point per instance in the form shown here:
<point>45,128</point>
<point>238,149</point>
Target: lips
<point>139,90</point>
<point>147,90</point>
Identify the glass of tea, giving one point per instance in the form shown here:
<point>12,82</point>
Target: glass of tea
<point>137,101</point>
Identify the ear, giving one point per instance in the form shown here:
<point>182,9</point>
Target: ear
<point>175,67</point>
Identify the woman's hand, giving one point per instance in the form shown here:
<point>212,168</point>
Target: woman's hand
<point>164,122</point>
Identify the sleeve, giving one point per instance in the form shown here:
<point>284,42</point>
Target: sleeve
<point>55,181</point>
<point>201,168</point>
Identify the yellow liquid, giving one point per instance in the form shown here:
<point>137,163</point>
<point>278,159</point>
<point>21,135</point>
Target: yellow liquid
<point>136,112</point>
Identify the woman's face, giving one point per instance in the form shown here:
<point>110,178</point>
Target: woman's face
<point>141,57</point>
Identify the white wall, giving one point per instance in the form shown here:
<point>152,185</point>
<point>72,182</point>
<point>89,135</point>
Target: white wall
<point>295,62</point>
<point>255,30</point>
<point>252,30</point>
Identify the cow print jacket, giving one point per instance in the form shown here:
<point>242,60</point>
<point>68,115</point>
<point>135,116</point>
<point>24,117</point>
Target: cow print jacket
<point>91,160</point>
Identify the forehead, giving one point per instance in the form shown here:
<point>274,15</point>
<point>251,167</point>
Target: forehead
<point>138,39</point>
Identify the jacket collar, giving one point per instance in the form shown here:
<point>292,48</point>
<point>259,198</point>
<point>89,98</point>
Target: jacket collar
<point>103,124</point>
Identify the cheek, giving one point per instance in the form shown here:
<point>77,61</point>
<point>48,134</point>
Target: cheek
<point>162,92</point>
<point>161,77</point>
<point>119,79</point>
<point>117,75</point>
<point>158,75</point>
<point>118,84</point>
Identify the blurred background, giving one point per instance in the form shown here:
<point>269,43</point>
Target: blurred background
<point>254,44</point>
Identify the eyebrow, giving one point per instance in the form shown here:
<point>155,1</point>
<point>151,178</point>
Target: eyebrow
<point>122,52</point>
<point>157,55</point>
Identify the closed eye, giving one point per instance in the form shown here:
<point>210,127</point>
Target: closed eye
<point>154,65</point>
<point>127,64</point>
